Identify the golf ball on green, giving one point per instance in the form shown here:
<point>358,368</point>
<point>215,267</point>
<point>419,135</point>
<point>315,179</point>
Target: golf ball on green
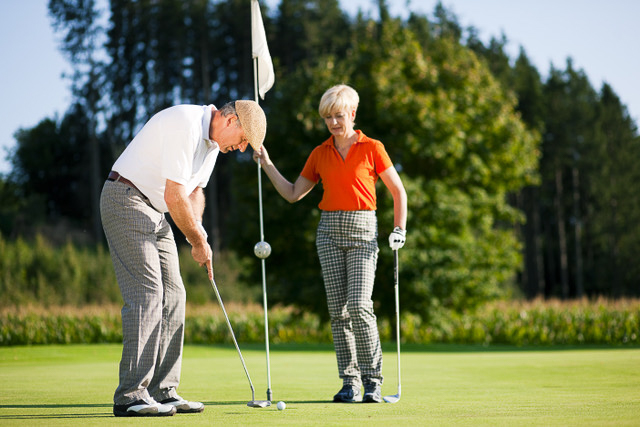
<point>281,405</point>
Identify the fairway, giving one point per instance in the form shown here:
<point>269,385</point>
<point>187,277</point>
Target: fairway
<point>441,385</point>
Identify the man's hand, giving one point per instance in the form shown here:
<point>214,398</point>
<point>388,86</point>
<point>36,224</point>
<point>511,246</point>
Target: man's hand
<point>208,260</point>
<point>182,211</point>
<point>203,255</point>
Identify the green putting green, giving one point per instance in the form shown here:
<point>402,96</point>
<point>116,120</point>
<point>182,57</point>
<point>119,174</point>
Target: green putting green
<point>441,385</point>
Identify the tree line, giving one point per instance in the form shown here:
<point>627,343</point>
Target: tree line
<point>518,185</point>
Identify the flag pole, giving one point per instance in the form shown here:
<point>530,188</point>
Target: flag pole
<point>262,248</point>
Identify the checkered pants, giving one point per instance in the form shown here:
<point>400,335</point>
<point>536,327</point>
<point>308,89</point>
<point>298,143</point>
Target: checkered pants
<point>348,251</point>
<point>145,260</point>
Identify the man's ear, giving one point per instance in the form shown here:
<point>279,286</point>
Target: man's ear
<point>231,120</point>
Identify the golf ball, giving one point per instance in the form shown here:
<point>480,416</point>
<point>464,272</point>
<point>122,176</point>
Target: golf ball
<point>281,405</point>
<point>262,250</point>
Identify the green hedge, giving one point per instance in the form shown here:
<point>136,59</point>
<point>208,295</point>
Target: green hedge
<point>38,272</point>
<point>537,323</point>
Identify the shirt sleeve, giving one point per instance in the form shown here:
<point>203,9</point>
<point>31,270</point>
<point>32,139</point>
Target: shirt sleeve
<point>310,170</point>
<point>177,154</point>
<point>381,158</point>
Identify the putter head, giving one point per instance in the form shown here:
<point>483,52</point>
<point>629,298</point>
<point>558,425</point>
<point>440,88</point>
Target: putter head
<point>392,399</point>
<point>259,404</point>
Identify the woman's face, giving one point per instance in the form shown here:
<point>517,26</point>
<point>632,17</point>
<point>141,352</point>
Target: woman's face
<point>340,123</point>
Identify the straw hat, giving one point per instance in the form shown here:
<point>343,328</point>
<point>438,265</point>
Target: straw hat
<point>253,121</point>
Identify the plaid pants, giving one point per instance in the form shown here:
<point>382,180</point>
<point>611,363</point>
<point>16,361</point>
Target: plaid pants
<point>145,260</point>
<point>348,252</point>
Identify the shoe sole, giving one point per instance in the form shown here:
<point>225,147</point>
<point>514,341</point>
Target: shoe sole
<point>189,411</point>
<point>125,413</point>
<point>347,401</point>
<point>136,414</point>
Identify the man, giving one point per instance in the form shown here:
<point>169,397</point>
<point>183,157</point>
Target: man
<point>164,169</point>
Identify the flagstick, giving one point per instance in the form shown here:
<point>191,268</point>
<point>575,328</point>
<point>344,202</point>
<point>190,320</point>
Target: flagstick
<point>264,278</point>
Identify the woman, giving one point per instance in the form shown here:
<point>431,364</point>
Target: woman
<point>349,164</point>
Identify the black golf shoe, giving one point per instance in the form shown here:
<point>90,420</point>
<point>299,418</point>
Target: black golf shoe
<point>348,394</point>
<point>372,393</point>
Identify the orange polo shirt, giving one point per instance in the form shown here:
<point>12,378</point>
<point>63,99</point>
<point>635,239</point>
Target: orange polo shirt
<point>349,184</point>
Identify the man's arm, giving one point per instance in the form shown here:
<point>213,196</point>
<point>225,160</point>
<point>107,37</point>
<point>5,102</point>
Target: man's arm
<point>197,203</point>
<point>183,212</point>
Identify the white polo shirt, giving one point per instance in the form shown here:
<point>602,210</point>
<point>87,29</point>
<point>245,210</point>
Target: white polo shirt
<point>174,144</point>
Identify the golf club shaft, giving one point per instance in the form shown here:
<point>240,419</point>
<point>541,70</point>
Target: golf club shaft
<point>235,342</point>
<point>397,295</point>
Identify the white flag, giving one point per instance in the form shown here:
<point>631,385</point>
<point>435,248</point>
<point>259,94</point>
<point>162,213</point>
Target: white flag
<point>260,50</point>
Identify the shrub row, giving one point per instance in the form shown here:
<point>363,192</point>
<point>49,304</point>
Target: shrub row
<point>38,271</point>
<point>49,275</point>
<point>536,323</point>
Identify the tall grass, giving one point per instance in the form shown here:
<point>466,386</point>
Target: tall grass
<point>38,272</point>
<point>539,322</point>
<point>69,294</point>
<point>545,323</point>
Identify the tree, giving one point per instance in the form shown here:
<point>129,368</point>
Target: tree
<point>307,30</point>
<point>523,80</point>
<point>570,113</point>
<point>461,120</point>
<point>612,209</point>
<point>528,88</point>
<point>49,166</point>
<point>78,20</point>
<point>455,136</point>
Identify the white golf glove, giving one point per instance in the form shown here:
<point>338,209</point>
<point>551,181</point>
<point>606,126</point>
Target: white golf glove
<point>202,230</point>
<point>397,238</point>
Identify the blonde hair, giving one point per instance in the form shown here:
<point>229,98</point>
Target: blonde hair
<point>338,98</point>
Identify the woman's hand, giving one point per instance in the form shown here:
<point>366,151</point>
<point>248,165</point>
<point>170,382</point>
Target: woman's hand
<point>261,156</point>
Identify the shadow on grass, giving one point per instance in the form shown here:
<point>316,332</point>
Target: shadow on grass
<point>108,414</point>
<point>433,348</point>
<point>480,348</point>
<point>273,404</point>
<point>56,416</point>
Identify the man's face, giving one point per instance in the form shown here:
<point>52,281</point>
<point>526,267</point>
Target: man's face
<point>232,136</point>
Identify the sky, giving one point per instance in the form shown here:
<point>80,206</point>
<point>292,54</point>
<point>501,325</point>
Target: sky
<point>600,37</point>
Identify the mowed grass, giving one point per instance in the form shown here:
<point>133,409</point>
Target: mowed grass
<point>441,385</point>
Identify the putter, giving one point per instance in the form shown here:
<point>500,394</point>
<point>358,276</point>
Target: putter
<point>253,403</point>
<point>395,397</point>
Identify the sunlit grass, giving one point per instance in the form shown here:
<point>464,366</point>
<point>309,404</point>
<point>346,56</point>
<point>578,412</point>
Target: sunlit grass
<point>441,385</point>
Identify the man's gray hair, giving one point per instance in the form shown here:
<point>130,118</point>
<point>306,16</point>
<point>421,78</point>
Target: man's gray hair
<point>228,108</point>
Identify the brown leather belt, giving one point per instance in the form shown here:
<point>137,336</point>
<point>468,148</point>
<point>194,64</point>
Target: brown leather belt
<point>115,176</point>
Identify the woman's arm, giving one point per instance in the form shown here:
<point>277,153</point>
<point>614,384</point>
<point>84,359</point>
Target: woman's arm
<point>290,192</point>
<point>393,182</point>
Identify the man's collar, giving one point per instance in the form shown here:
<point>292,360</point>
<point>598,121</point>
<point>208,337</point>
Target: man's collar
<point>206,126</point>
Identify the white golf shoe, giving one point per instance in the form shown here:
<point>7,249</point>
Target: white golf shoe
<point>144,408</point>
